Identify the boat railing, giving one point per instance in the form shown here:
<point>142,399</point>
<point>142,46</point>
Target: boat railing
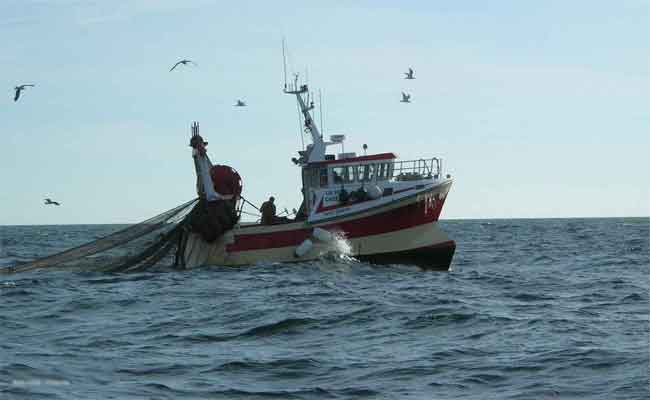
<point>410,170</point>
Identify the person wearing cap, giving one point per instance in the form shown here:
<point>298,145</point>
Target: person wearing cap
<point>268,211</point>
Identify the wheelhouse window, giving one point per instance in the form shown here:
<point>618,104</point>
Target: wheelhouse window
<point>348,174</point>
<point>365,173</point>
<point>342,175</point>
<point>337,175</point>
<point>382,171</point>
<point>323,177</point>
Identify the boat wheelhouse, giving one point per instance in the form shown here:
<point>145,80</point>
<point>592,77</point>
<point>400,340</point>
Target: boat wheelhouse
<point>349,183</point>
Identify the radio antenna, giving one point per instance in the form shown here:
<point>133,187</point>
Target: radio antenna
<point>320,112</point>
<point>284,62</point>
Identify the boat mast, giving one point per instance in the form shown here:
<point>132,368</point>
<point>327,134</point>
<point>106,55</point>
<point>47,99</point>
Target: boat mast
<point>316,150</point>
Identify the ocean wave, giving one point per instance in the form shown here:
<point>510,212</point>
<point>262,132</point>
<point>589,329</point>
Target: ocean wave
<point>157,389</point>
<point>14,292</point>
<point>202,338</point>
<point>291,363</point>
<point>121,278</point>
<point>484,379</point>
<point>16,368</point>
<point>403,372</point>
<point>577,357</point>
<point>530,297</point>
<point>438,317</point>
<point>285,326</point>
<point>172,370</point>
<point>640,297</point>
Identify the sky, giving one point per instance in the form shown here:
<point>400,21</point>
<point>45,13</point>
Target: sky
<point>539,109</point>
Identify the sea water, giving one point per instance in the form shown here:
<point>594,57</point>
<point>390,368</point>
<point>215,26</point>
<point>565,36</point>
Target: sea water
<point>532,309</point>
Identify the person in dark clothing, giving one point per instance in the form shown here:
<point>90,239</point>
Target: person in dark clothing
<point>268,211</point>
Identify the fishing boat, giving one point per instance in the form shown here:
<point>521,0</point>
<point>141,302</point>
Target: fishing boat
<point>372,207</point>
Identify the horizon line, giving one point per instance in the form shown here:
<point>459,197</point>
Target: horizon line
<point>440,220</point>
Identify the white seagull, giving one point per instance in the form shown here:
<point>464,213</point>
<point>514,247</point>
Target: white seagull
<point>240,104</point>
<point>409,75</point>
<point>406,98</point>
<point>19,89</point>
<point>184,62</point>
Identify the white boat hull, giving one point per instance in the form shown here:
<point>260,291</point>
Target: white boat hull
<point>404,231</point>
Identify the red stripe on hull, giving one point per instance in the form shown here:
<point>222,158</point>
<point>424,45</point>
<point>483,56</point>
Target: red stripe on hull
<point>410,215</point>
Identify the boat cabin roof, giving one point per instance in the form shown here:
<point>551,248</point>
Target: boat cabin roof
<point>352,160</point>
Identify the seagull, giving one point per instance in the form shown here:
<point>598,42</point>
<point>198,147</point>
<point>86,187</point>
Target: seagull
<point>49,201</point>
<point>240,104</point>
<point>406,98</point>
<point>409,75</point>
<point>184,62</point>
<point>19,89</point>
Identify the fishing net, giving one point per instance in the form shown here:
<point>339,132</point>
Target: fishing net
<point>135,248</point>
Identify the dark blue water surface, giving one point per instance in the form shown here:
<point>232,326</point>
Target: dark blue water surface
<point>532,309</point>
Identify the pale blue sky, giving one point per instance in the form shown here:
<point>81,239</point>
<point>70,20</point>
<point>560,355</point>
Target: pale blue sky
<point>539,108</point>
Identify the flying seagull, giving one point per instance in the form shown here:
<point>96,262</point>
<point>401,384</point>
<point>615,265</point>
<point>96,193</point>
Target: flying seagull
<point>49,201</point>
<point>184,62</point>
<point>19,89</point>
<point>240,104</point>
<point>406,98</point>
<point>409,75</point>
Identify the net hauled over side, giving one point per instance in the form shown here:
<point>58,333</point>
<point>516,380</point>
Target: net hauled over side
<point>121,250</point>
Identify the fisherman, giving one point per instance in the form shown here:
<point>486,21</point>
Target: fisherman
<point>268,211</point>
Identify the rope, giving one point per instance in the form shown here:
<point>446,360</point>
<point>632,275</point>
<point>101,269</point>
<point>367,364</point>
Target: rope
<point>251,204</point>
